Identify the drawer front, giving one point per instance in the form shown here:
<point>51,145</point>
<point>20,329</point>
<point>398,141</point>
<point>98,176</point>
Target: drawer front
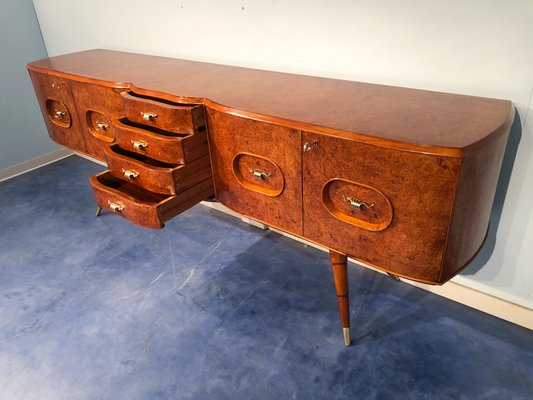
<point>257,169</point>
<point>58,110</point>
<point>160,145</point>
<point>142,207</point>
<point>154,175</point>
<point>97,107</point>
<point>163,114</point>
<point>385,207</point>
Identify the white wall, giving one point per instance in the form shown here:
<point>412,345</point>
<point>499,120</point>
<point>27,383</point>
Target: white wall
<point>477,47</point>
<point>22,132</point>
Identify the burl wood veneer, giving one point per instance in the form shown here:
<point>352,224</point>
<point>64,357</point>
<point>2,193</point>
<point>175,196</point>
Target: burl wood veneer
<point>400,179</point>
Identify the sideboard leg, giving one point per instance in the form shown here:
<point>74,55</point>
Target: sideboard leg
<point>98,211</point>
<point>339,265</point>
<point>394,277</point>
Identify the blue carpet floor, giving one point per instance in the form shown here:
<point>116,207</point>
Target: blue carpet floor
<point>211,308</point>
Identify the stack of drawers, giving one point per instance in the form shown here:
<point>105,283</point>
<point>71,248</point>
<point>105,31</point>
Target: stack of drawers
<point>158,163</point>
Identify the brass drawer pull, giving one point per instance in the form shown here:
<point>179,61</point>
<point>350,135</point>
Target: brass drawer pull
<point>259,174</point>
<point>130,174</point>
<point>148,116</point>
<point>60,114</point>
<point>139,145</point>
<point>102,126</point>
<point>357,204</point>
<point>116,207</point>
<point>57,85</point>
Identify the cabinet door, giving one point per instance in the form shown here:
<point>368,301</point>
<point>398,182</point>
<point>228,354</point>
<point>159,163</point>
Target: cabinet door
<point>257,169</point>
<point>58,110</point>
<point>98,108</point>
<point>388,208</point>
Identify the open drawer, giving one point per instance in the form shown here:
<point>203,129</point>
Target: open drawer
<point>163,114</point>
<point>154,175</point>
<point>160,144</point>
<point>142,207</point>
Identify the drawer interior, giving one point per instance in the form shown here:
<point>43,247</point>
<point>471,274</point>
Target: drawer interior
<point>134,192</point>
<point>142,158</point>
<point>152,129</point>
<point>160,100</point>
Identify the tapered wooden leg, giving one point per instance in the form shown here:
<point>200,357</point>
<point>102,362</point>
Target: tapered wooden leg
<point>339,265</point>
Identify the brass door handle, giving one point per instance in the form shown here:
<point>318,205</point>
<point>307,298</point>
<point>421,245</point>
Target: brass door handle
<point>139,145</point>
<point>130,174</point>
<point>148,116</point>
<point>60,114</point>
<point>116,207</point>
<point>259,174</point>
<point>357,204</point>
<point>102,126</point>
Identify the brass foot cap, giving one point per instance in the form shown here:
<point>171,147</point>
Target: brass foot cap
<point>98,211</point>
<point>346,333</point>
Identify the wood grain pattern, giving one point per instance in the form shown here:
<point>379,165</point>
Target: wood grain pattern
<point>401,179</point>
<point>54,96</point>
<point>96,104</point>
<point>142,207</point>
<point>420,188</point>
<point>339,266</point>
<point>159,144</point>
<point>432,122</point>
<point>229,136</point>
<point>474,196</point>
<point>155,175</point>
<point>431,158</point>
<point>165,115</point>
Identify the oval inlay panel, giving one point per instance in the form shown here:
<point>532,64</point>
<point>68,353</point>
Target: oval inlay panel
<point>357,204</point>
<point>58,113</point>
<point>100,126</point>
<point>258,174</point>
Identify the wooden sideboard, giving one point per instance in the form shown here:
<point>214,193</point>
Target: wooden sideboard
<point>400,179</point>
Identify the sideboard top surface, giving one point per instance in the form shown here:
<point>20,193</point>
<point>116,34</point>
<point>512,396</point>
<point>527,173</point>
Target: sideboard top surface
<point>411,116</point>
